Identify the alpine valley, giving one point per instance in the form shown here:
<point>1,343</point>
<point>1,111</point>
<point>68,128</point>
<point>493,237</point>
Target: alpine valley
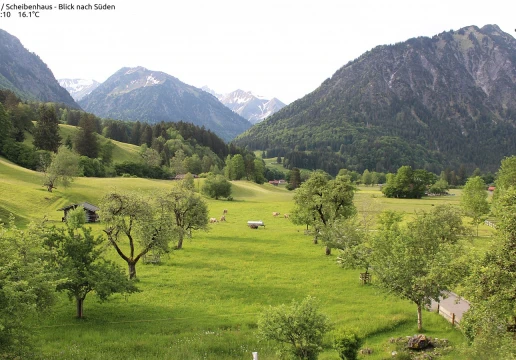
<point>449,100</point>
<point>153,96</point>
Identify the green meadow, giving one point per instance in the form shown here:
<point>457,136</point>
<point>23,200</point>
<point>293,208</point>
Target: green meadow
<point>203,302</point>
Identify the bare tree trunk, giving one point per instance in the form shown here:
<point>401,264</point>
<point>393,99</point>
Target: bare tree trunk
<point>80,307</point>
<point>180,241</point>
<point>132,269</point>
<point>419,318</point>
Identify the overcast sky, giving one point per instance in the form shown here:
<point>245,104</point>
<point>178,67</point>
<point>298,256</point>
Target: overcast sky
<point>280,48</point>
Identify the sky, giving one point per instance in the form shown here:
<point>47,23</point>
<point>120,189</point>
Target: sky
<point>282,48</point>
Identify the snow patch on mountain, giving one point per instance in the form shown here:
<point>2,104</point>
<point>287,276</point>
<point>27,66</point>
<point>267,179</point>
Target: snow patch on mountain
<point>254,108</point>
<point>79,88</point>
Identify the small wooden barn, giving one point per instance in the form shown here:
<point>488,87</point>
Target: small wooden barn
<point>91,211</point>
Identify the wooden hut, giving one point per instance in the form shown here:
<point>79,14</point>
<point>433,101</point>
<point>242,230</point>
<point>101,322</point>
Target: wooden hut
<point>91,211</point>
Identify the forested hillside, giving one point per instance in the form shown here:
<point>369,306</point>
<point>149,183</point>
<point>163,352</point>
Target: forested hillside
<point>430,103</point>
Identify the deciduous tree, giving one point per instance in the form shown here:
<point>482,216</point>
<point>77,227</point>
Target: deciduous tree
<point>64,166</point>
<point>78,259</point>
<point>491,289</point>
<point>27,286</point>
<point>419,262</point>
<point>189,211</point>
<point>143,222</point>
<point>216,186</point>
<point>319,202</point>
<point>474,200</point>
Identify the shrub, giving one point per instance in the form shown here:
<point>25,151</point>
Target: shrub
<point>298,328</point>
<point>347,345</point>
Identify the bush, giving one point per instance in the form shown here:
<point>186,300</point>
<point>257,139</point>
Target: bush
<point>141,170</point>
<point>298,328</point>
<point>347,345</point>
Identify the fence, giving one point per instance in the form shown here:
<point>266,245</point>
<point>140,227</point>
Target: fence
<point>451,317</point>
<point>490,223</point>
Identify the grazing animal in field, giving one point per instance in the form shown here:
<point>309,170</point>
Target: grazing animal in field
<point>223,218</point>
<point>286,216</point>
<point>275,213</point>
<point>225,211</point>
<point>213,220</point>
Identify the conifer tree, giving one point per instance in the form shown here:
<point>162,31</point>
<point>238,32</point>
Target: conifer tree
<point>46,132</point>
<point>86,143</point>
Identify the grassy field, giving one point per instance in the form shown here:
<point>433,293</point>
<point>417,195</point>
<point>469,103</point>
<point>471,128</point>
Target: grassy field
<point>203,302</point>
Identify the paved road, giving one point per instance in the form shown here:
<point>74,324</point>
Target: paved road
<point>452,304</point>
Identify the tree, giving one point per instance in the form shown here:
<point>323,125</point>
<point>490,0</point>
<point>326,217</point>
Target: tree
<point>505,179</point>
<point>27,286</point>
<point>319,201</point>
<point>78,259</point>
<point>216,186</point>
<point>21,118</point>
<point>177,162</point>
<point>238,167</point>
<point>144,222</point>
<point>440,187</point>
<point>408,183</point>
<point>474,200</point>
<point>367,178</point>
<point>5,126</point>
<point>299,328</point>
<point>259,171</point>
<point>86,142</point>
<point>491,289</point>
<point>64,166</point>
<point>229,171</point>
<point>352,240</point>
<point>189,211</point>
<point>295,178</point>
<point>46,133</point>
<point>150,156</point>
<point>419,262</point>
<point>106,152</point>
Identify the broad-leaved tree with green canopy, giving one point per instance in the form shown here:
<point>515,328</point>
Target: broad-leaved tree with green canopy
<point>320,201</point>
<point>419,261</point>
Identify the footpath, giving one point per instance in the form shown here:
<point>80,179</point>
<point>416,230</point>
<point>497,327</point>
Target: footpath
<point>452,307</point>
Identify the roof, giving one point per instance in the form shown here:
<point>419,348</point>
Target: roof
<point>85,205</point>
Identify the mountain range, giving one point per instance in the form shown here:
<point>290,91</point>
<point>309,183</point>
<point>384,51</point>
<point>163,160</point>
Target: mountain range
<point>448,100</point>
<point>25,74</point>
<point>251,107</point>
<point>79,88</point>
<point>154,96</point>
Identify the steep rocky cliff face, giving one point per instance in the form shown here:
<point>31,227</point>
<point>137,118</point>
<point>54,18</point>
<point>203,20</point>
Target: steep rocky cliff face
<point>27,75</point>
<point>428,102</point>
